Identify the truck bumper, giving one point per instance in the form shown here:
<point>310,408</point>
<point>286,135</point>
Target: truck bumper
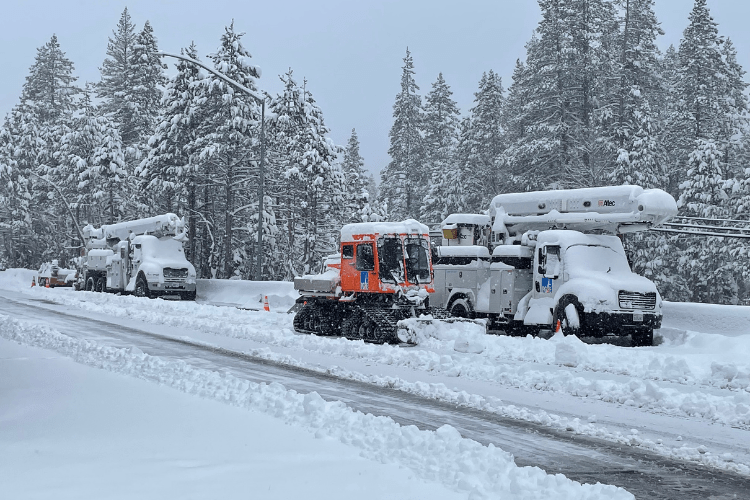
<point>620,323</point>
<point>170,288</point>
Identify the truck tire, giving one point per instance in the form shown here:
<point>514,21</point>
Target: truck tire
<point>188,296</point>
<point>569,313</point>
<point>90,284</point>
<point>460,308</point>
<point>101,284</point>
<point>141,287</point>
<point>642,337</point>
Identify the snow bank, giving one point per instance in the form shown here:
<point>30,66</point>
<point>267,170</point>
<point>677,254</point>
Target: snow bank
<point>247,294</point>
<point>17,279</point>
<point>707,318</point>
<point>442,455</point>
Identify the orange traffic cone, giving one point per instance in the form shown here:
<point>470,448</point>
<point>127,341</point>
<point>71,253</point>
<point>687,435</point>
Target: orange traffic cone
<point>33,282</point>
<point>265,303</point>
<point>558,327</point>
<point>46,283</point>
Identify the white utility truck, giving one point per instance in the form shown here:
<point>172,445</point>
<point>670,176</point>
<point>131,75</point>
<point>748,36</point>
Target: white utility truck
<point>144,257</point>
<point>539,258</point>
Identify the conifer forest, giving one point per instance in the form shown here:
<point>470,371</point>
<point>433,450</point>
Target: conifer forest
<point>592,102</point>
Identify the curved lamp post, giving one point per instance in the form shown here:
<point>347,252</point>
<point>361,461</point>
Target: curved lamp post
<point>258,98</point>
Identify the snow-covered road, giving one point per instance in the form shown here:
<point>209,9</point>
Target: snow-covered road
<point>556,403</point>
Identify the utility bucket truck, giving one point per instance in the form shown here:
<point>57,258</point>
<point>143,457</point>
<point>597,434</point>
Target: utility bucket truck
<point>545,257</point>
<point>144,257</point>
<point>382,274</point>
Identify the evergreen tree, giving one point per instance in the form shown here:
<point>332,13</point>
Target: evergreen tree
<point>168,169</point>
<point>116,83</point>
<point>640,154</point>
<point>50,84</point>
<point>440,125</point>
<point>353,167</point>
<point>483,143</point>
<point>227,141</point>
<point>404,180</point>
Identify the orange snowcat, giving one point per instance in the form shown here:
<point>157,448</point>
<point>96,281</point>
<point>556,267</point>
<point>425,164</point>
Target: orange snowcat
<point>383,274</point>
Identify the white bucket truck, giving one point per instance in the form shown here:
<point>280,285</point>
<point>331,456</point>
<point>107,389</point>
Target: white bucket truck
<point>539,258</point>
<point>144,257</point>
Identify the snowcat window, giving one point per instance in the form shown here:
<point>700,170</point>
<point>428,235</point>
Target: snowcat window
<point>391,260</point>
<point>417,260</point>
<point>365,257</point>
<point>347,251</point>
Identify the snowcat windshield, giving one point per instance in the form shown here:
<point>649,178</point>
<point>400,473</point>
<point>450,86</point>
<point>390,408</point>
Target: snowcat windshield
<point>586,258</point>
<point>417,260</point>
<point>391,259</point>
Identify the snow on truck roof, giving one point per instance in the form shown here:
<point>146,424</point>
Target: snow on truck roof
<point>612,209</point>
<point>653,203</point>
<point>566,238</point>
<point>409,226</point>
<point>471,219</point>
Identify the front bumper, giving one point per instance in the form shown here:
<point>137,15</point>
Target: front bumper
<point>620,322</point>
<point>171,287</point>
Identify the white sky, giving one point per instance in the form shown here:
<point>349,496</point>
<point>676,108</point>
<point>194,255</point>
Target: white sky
<point>350,52</point>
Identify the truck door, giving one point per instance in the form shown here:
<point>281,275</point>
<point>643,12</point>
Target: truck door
<point>547,271</point>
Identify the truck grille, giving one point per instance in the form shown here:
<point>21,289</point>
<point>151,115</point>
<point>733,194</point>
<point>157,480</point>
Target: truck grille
<point>175,274</point>
<point>635,300</point>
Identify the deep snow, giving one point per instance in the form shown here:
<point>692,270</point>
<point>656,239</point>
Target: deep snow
<point>688,397</point>
<point>435,464</point>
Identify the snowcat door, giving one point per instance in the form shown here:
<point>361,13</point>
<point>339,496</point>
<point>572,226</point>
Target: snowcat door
<point>547,272</point>
<point>364,258</point>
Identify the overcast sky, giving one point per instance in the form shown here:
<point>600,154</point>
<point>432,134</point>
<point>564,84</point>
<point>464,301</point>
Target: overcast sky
<point>350,51</point>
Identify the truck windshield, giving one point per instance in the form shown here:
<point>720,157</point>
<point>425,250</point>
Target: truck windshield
<point>391,259</point>
<point>417,260</point>
<point>587,258</point>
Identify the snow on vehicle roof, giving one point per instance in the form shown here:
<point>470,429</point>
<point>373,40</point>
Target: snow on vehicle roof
<point>475,219</point>
<point>409,226</point>
<point>513,251</point>
<point>167,224</point>
<point>620,205</point>
<point>463,251</point>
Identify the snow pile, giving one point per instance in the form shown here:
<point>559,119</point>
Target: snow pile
<point>17,279</point>
<point>707,318</point>
<point>652,379</point>
<point>247,294</point>
<point>443,455</point>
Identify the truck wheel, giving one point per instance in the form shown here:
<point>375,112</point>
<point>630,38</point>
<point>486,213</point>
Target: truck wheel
<point>569,313</point>
<point>90,285</point>
<point>460,308</point>
<point>642,337</point>
<point>141,287</point>
<point>188,296</point>
<point>367,330</point>
<point>101,284</point>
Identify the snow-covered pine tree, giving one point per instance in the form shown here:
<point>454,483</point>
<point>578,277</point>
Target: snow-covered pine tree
<point>227,141</point>
<point>404,180</point>
<point>19,147</point>
<point>440,126</point>
<point>555,133</point>
<point>636,129</point>
<point>172,177</point>
<point>483,143</point>
<point>706,125</point>
<point>353,167</point>
<point>115,87</point>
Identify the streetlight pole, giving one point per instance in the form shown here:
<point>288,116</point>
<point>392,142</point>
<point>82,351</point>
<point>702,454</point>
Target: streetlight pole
<point>262,102</point>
